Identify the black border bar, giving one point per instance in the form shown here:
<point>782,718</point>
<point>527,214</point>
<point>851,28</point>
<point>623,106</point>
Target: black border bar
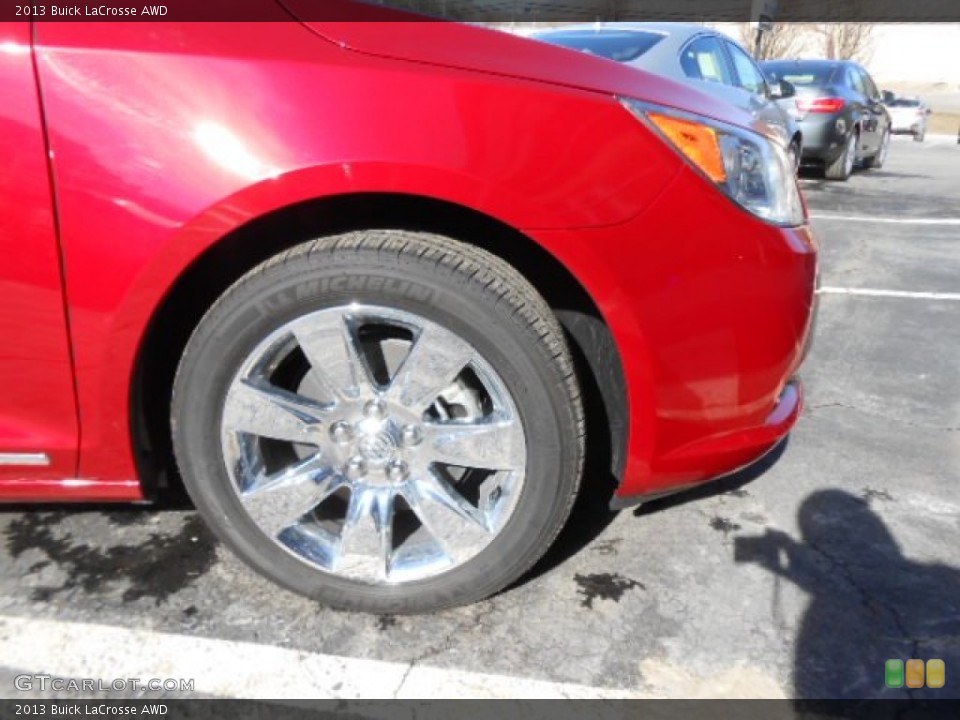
<point>484,10</point>
<point>217,709</point>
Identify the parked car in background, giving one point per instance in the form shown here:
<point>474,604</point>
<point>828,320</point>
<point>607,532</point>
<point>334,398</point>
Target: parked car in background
<point>372,326</point>
<point>840,111</point>
<point>704,58</point>
<point>908,116</point>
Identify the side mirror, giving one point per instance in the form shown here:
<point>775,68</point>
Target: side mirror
<point>929,111</point>
<point>782,90</point>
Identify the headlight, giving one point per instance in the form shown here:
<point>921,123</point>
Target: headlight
<point>753,170</point>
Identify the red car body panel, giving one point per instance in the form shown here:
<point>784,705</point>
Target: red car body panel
<point>164,142</point>
<point>712,321</point>
<point>37,402</point>
<point>456,45</point>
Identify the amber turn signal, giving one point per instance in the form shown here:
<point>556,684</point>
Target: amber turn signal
<point>699,143</point>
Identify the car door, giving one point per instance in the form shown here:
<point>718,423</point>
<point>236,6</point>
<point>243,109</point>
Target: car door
<point>38,414</point>
<point>751,80</point>
<point>879,118</point>
<point>868,119</point>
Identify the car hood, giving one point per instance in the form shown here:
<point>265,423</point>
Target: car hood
<point>404,36</point>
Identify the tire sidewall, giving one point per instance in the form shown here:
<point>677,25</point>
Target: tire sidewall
<point>881,156</point>
<point>837,168</point>
<point>850,156</point>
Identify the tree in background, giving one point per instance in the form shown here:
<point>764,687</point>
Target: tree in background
<point>846,41</point>
<point>834,41</point>
<point>782,40</point>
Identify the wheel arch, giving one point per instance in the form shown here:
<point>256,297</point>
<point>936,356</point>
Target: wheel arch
<point>599,364</point>
<point>856,121</point>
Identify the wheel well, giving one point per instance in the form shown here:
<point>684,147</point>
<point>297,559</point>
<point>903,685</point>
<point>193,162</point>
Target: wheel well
<point>595,352</point>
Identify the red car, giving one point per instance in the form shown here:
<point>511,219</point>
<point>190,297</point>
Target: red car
<point>371,289</point>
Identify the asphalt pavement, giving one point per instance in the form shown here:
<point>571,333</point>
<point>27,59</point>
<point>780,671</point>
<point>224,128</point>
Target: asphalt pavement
<point>798,578</point>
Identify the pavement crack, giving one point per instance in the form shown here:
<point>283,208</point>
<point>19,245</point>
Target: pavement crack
<point>867,598</point>
<point>480,612</point>
<point>432,652</point>
<point>812,409</point>
<point>403,680</point>
<point>870,494</point>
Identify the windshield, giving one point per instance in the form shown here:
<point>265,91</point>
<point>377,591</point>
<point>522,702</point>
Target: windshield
<point>800,73</point>
<point>620,45</point>
<point>903,103</point>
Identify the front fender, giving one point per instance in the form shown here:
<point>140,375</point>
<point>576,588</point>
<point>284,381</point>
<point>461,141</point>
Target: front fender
<point>166,141</point>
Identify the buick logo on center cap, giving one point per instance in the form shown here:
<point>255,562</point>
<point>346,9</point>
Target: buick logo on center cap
<point>378,448</point>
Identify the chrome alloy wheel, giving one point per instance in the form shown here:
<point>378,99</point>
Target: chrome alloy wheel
<point>373,444</point>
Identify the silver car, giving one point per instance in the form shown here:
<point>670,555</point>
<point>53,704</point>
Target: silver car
<point>908,115</point>
<point>692,54</point>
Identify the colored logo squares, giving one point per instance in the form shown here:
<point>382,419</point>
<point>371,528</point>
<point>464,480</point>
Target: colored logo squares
<point>936,673</point>
<point>914,673</point>
<point>894,673</point>
<point>897,673</point>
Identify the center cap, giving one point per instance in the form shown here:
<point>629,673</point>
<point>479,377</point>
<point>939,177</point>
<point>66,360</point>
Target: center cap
<point>378,448</point>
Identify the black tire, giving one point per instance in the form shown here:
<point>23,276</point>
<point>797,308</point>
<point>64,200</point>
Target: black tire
<point>876,161</point>
<point>464,289</point>
<point>794,152</point>
<point>842,167</point>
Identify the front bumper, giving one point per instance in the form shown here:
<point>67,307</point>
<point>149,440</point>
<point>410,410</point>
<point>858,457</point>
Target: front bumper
<point>754,445</point>
<point>711,310</point>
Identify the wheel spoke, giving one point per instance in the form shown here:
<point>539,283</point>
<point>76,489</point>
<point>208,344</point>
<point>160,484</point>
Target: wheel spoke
<point>265,410</point>
<point>457,525</point>
<point>333,352</point>
<point>275,502</point>
<point>491,445</point>
<point>366,537</point>
<point>434,361</point>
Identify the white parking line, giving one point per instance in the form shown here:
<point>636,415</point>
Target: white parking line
<point>871,292</point>
<point>888,220</point>
<point>229,669</point>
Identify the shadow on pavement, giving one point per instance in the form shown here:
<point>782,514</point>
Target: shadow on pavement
<point>868,603</point>
<point>137,558</point>
<point>591,513</point>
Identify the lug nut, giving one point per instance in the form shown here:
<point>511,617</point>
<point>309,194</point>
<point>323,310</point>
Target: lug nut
<point>341,433</point>
<point>397,471</point>
<point>375,409</point>
<point>355,468</point>
<point>411,435</point>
